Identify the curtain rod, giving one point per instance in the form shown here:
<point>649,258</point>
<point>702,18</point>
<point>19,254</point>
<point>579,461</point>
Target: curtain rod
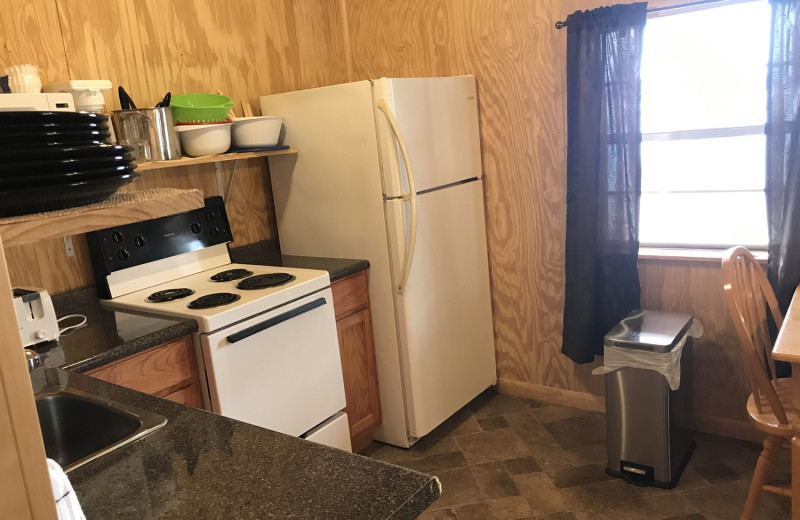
<point>562,24</point>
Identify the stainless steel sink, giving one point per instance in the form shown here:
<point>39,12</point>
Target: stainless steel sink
<point>78,427</point>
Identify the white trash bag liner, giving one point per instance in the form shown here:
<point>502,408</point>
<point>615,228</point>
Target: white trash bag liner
<point>666,363</point>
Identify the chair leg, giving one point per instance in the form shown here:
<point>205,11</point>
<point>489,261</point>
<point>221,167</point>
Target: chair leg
<point>772,444</point>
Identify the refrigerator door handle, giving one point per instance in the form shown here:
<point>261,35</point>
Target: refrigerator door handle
<point>411,196</point>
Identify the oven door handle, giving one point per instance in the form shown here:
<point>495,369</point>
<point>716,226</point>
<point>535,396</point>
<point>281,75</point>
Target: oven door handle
<point>264,325</point>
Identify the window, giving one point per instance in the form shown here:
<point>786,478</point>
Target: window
<point>703,113</point>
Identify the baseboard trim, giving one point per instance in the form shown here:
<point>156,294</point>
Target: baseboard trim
<point>550,394</point>
<point>722,426</point>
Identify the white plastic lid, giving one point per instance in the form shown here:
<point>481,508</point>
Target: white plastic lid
<point>79,84</point>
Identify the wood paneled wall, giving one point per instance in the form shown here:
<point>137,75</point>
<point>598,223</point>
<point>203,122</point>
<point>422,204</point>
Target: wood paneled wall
<point>250,47</point>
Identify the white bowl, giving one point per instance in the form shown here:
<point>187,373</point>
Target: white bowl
<point>255,132</point>
<point>198,140</point>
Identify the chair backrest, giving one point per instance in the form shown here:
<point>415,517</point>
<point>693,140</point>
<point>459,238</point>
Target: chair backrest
<point>749,297</point>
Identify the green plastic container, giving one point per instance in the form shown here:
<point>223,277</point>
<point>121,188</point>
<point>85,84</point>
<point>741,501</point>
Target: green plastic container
<point>200,108</point>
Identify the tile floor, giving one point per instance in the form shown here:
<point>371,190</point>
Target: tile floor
<point>505,458</point>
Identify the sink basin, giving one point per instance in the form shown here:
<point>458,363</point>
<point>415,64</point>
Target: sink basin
<point>78,427</point>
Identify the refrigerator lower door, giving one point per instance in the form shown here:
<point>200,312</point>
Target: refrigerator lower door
<point>444,312</point>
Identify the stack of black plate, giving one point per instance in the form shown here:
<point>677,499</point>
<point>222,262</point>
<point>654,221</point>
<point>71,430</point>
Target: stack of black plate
<point>57,160</point>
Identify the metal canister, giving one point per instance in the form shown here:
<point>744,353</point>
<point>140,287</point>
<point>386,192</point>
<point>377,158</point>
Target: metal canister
<point>150,131</point>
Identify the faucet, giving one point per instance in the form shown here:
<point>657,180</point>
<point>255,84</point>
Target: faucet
<point>34,360</point>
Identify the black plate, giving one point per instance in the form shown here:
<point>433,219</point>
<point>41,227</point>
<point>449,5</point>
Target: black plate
<point>62,196</point>
<point>34,148</point>
<point>18,182</point>
<point>34,117</point>
<point>38,168</point>
<point>19,154</point>
<point>34,138</point>
<point>52,127</point>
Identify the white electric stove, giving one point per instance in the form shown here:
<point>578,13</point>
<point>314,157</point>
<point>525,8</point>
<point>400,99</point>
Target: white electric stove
<point>266,335</point>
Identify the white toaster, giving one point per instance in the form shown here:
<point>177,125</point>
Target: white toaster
<point>35,315</point>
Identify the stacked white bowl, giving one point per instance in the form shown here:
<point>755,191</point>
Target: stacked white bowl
<point>23,79</point>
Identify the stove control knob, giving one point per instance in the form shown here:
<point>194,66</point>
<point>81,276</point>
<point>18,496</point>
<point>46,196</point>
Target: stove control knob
<point>196,228</point>
<point>209,216</point>
<point>117,237</point>
<point>123,254</point>
<point>214,231</point>
<point>138,240</point>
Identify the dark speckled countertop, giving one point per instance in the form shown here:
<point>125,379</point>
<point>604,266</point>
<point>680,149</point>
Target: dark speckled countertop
<point>267,253</point>
<point>203,466</point>
<point>108,335</point>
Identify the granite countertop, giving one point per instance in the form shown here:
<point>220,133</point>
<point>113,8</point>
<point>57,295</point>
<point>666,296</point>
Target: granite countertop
<point>266,253</point>
<point>109,335</point>
<point>203,466</point>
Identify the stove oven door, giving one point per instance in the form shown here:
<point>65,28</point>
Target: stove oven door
<point>279,370</point>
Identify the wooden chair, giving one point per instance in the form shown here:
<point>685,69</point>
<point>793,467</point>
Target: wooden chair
<point>750,297</point>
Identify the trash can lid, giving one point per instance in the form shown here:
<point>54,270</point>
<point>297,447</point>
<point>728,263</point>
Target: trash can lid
<point>657,331</point>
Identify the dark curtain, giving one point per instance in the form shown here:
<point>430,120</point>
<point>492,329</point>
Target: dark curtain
<point>783,151</point>
<point>604,50</point>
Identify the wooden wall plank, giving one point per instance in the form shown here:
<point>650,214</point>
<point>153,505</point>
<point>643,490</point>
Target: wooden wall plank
<point>30,33</point>
<point>24,481</point>
<point>321,43</point>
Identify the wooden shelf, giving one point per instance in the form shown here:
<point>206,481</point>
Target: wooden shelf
<point>188,161</point>
<point>122,208</point>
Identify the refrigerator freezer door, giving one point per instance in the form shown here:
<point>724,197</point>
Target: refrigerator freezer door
<point>438,119</point>
<point>444,313</point>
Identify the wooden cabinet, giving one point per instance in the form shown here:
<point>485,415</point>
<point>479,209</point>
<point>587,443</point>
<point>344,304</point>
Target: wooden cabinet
<point>354,327</point>
<point>167,371</point>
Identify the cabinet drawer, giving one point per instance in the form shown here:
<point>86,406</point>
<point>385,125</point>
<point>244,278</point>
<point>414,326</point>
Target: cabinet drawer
<point>158,371</point>
<point>350,294</point>
<point>188,395</point>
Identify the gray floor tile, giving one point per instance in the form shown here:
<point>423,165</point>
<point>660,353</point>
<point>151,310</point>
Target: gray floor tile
<point>432,463</point>
<point>521,466</point>
<point>493,423</point>
<point>725,501</point>
<point>542,496</point>
<point>556,413</point>
<point>578,475</point>
<point>459,487</point>
<point>460,423</point>
<point>494,480</point>
<point>490,404</point>
<point>717,472</point>
<point>669,505</point>
<point>441,514</point>
<point>480,511</point>
<point>510,508</point>
<point>607,499</point>
<point>550,455</point>
<point>528,428</point>
<point>490,446</point>
<point>586,430</point>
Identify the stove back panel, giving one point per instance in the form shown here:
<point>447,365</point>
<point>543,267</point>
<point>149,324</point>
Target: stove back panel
<point>123,247</point>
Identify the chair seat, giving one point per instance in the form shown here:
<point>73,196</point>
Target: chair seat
<point>766,420</point>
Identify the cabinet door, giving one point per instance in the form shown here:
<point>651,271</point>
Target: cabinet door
<point>167,371</point>
<point>360,376</point>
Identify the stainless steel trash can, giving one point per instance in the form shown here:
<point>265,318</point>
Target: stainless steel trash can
<point>644,447</point>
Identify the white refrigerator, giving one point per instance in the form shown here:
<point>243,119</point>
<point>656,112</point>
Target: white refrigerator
<point>389,170</point>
